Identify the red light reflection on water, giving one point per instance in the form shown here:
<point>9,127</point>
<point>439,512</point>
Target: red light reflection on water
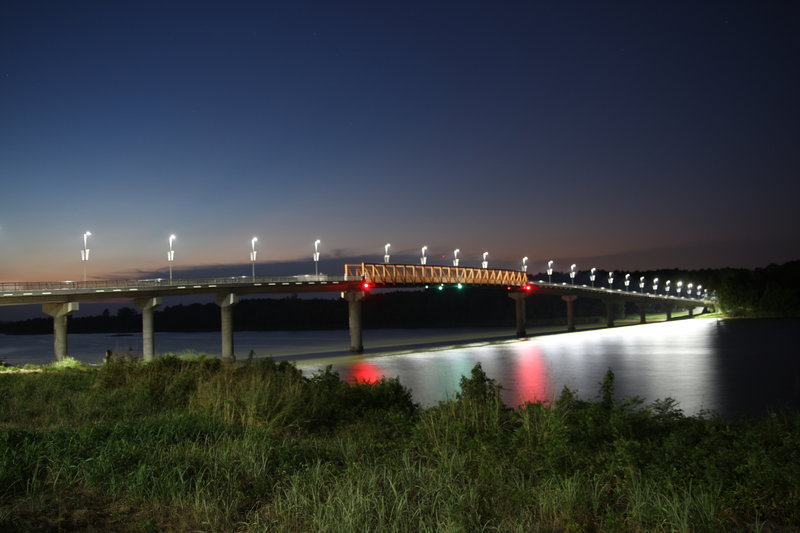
<point>531,377</point>
<point>363,372</point>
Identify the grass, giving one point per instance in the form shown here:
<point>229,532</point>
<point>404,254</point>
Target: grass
<point>196,445</point>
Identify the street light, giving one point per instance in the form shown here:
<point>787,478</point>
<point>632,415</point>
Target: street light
<point>316,257</point>
<point>455,257</point>
<point>485,263</point>
<point>85,253</point>
<point>592,276</point>
<point>253,255</point>
<point>572,273</point>
<point>655,285</point>
<point>627,281</point>
<point>525,264</point>
<point>689,290</point>
<point>667,287</point>
<point>641,284</point>
<point>170,256</point>
<point>699,291</point>
<point>550,271</point>
<point>610,280</point>
<point>423,260</point>
<point>386,252</point>
<point>680,286</point>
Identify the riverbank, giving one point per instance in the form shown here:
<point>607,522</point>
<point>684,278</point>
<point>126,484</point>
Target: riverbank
<point>198,445</point>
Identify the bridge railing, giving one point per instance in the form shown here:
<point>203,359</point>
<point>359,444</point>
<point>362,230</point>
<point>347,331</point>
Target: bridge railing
<point>25,286</point>
<point>379,273</point>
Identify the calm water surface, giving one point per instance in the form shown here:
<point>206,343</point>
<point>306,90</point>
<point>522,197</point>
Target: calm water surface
<point>732,367</point>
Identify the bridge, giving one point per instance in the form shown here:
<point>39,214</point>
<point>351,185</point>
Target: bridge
<point>61,299</point>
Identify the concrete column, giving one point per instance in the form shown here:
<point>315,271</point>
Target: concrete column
<point>642,313</point>
<point>354,319</point>
<point>669,311</point>
<point>147,305</point>
<point>609,313</point>
<point>226,303</point>
<point>691,311</point>
<point>570,299</point>
<point>60,312</point>
<point>519,304</point>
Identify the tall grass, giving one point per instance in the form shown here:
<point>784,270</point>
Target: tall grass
<point>198,445</point>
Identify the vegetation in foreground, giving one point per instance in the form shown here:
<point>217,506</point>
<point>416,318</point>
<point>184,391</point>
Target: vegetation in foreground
<point>201,446</point>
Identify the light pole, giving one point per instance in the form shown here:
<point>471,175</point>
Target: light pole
<point>667,287</point>
<point>170,256</point>
<point>689,290</point>
<point>85,254</point>
<point>641,284</point>
<point>525,264</point>
<point>680,286</point>
<point>423,260</point>
<point>572,273</point>
<point>592,276</point>
<point>316,257</point>
<point>627,281</point>
<point>485,263</point>
<point>455,257</point>
<point>386,252</point>
<point>610,280</point>
<point>550,271</point>
<point>699,291</point>
<point>253,255</point>
<point>655,285</point>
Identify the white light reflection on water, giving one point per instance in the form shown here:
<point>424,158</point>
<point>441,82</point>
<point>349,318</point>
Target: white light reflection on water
<point>653,361</point>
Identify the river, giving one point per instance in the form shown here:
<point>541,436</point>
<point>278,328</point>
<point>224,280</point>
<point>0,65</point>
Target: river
<point>730,367</point>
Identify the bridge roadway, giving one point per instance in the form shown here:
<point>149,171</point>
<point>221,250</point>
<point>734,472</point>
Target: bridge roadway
<point>60,299</point>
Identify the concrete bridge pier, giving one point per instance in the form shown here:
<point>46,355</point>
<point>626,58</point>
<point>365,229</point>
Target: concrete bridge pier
<point>60,312</point>
<point>519,304</point>
<point>354,298</point>
<point>669,311</point>
<point>570,299</point>
<point>642,313</point>
<point>147,305</point>
<point>609,313</point>
<point>226,303</point>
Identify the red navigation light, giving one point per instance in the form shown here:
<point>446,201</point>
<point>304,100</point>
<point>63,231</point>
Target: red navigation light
<point>366,285</point>
<point>528,287</point>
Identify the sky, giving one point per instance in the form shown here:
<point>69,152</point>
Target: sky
<point>617,135</point>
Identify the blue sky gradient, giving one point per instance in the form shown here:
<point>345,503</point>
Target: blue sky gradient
<point>620,135</point>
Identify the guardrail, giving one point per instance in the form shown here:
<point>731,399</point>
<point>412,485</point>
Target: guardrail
<point>27,286</point>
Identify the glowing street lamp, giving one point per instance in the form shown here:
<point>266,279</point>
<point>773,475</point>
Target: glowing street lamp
<point>572,273</point>
<point>592,276</point>
<point>610,280</point>
<point>455,257</point>
<point>699,291</point>
<point>525,264</point>
<point>655,285</point>
<point>627,281</point>
<point>171,256</point>
<point>667,287</point>
<point>550,271</point>
<point>485,263</point>
<point>253,255</point>
<point>316,257</point>
<point>85,253</point>
<point>689,290</point>
<point>423,260</point>
<point>680,286</point>
<point>386,252</point>
<point>641,284</point>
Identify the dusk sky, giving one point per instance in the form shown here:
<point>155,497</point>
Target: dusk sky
<point>617,135</point>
